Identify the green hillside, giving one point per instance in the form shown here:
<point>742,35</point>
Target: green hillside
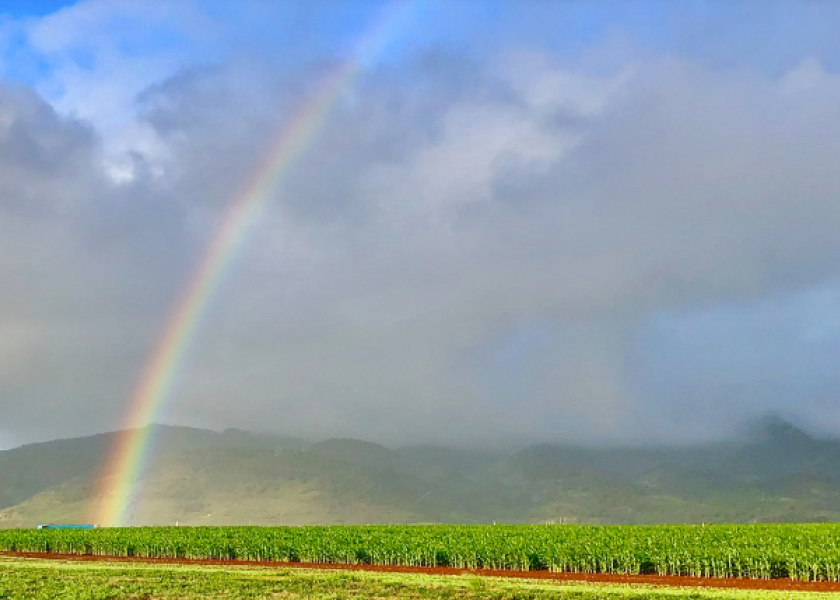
<point>200,477</point>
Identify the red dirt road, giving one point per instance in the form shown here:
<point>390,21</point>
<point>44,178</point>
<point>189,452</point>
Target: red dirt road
<point>664,580</point>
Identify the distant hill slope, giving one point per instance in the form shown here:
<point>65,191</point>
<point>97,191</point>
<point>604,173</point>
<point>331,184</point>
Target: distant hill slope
<point>780,473</point>
<point>34,468</point>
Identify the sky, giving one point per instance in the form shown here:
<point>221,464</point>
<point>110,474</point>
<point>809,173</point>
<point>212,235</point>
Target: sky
<point>530,220</point>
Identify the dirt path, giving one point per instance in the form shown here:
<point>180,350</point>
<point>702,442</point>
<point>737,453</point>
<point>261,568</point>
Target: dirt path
<point>665,580</point>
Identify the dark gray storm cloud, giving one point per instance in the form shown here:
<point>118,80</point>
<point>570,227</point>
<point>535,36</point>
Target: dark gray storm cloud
<point>530,250</point>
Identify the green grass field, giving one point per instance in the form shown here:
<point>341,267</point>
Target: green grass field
<point>40,579</point>
<point>805,552</point>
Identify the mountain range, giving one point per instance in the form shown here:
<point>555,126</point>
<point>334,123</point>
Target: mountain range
<point>778,472</point>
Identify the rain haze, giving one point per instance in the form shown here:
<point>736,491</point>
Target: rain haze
<point>592,222</point>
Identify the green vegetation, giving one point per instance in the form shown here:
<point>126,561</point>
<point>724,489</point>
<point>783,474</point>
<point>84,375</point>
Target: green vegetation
<point>200,477</point>
<point>46,580</point>
<point>804,552</point>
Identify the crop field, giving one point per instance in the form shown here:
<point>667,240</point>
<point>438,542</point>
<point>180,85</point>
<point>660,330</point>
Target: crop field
<point>27,579</point>
<point>807,552</point>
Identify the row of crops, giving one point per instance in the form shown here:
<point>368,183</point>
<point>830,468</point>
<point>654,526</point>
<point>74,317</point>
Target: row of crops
<point>804,552</point>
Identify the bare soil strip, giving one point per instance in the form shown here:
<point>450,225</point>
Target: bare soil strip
<point>661,580</point>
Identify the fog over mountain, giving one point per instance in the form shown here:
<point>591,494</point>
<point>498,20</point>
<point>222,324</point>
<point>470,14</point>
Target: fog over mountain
<point>521,222</point>
<point>775,472</point>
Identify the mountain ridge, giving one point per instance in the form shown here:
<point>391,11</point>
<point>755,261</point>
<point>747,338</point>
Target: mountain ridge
<point>198,476</point>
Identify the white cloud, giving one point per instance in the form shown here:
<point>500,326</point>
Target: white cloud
<point>427,224</point>
<point>99,55</point>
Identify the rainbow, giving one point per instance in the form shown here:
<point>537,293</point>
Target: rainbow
<point>127,460</point>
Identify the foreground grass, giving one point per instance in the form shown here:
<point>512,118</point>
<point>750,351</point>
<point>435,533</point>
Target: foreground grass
<point>37,579</point>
